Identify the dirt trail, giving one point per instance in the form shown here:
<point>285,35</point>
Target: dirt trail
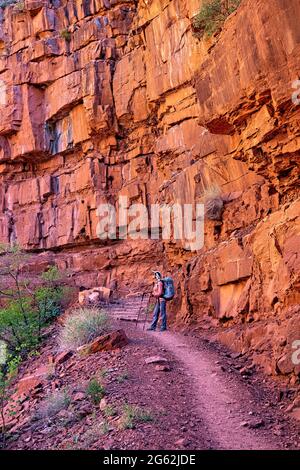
<point>221,401</point>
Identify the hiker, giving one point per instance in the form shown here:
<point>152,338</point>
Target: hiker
<point>163,290</point>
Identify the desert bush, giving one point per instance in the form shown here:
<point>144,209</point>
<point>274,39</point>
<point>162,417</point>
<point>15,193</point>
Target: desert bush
<point>109,411</point>
<point>66,35</point>
<point>123,377</point>
<point>82,326</point>
<point>95,391</point>
<point>53,404</point>
<point>93,434</point>
<point>132,414</point>
<point>20,6</point>
<point>213,202</point>
<point>103,373</point>
<point>212,15</point>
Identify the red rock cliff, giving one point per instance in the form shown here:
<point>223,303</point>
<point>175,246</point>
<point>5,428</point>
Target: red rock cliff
<point>102,98</point>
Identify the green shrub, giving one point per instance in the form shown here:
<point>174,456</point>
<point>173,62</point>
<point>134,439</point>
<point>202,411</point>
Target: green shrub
<point>82,326</point>
<point>18,331</point>
<point>49,297</point>
<point>66,35</point>
<point>212,16</point>
<point>109,411</point>
<point>95,391</point>
<point>133,414</point>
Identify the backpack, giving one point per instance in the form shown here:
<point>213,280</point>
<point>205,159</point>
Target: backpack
<point>169,289</point>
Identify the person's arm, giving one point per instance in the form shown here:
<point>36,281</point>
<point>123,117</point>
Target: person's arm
<point>161,288</point>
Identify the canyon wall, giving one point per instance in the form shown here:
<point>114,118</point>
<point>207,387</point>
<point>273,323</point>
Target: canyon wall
<point>107,98</point>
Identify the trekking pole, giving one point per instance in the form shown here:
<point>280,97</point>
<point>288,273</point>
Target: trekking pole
<point>140,309</point>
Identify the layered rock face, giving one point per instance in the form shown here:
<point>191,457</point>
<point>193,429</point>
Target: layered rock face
<point>106,98</point>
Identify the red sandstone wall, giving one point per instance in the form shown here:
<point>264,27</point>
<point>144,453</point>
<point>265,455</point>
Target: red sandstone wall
<point>135,105</point>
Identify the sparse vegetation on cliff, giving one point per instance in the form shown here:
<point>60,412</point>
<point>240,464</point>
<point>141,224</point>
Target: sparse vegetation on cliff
<point>66,35</point>
<point>212,15</point>
<point>6,3</point>
<point>95,391</point>
<point>213,202</point>
<point>54,403</point>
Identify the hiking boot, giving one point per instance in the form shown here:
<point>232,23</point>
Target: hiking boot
<point>163,329</point>
<point>150,329</point>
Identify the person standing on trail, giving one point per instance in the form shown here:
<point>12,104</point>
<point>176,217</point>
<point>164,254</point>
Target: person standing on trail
<point>160,305</point>
<point>163,291</point>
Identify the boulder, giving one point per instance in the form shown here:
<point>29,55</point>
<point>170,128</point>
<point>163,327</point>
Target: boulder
<point>108,342</point>
<point>156,360</point>
<point>92,296</point>
<point>162,368</point>
<point>30,383</point>
<point>296,414</point>
<point>62,357</point>
<point>103,404</point>
<point>78,396</point>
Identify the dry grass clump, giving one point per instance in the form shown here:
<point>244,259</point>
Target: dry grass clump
<point>213,202</point>
<point>53,404</point>
<point>82,326</point>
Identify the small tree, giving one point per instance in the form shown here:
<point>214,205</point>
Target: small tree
<point>26,307</point>
<point>12,263</point>
<point>48,297</point>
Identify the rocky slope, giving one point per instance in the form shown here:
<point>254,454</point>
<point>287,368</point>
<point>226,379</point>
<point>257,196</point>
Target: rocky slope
<point>104,98</point>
